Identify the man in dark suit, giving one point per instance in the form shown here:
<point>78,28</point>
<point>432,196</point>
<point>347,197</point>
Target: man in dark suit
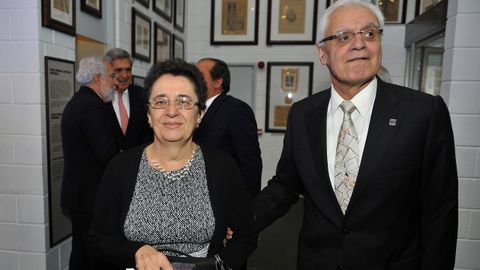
<point>88,145</point>
<point>379,180</point>
<point>229,123</point>
<point>127,111</point>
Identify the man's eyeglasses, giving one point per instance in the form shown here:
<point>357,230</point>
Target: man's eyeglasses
<point>181,103</point>
<point>120,70</point>
<point>368,34</point>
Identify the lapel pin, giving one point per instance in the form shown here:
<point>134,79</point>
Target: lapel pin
<point>392,122</point>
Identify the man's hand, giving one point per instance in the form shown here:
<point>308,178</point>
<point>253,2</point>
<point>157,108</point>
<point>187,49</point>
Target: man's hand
<point>148,258</point>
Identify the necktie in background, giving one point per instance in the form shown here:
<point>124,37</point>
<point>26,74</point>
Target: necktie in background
<point>347,157</point>
<point>123,113</point>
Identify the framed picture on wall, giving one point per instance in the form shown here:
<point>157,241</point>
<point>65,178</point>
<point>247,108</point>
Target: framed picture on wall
<point>179,15</point>
<point>145,3</point>
<point>162,43</point>
<point>234,22</point>
<point>287,82</point>
<point>291,21</point>
<point>393,10</point>
<point>59,89</point>
<point>141,29</point>
<point>163,8</point>
<point>92,7</point>
<point>59,15</point>
<point>178,47</point>
<point>424,5</point>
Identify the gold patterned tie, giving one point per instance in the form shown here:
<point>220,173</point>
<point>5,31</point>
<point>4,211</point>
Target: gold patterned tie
<point>347,157</point>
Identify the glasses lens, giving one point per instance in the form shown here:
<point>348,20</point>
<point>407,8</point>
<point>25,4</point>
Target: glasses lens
<point>344,37</point>
<point>184,103</point>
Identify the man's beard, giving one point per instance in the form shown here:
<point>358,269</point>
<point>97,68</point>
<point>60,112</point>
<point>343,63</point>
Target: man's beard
<point>107,94</point>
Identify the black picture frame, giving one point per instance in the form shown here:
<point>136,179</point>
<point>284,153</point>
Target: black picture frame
<point>163,8</point>
<point>178,47</point>
<point>89,9</point>
<point>400,16</point>
<point>145,3</point>
<point>289,32</point>
<point>287,82</point>
<point>141,42</point>
<point>61,18</point>
<point>248,33</point>
<point>59,74</point>
<point>421,6</point>
<point>179,23</point>
<point>165,44</point>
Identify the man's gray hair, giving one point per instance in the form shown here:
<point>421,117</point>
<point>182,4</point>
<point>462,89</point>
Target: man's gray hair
<point>324,20</point>
<point>117,53</point>
<point>88,68</point>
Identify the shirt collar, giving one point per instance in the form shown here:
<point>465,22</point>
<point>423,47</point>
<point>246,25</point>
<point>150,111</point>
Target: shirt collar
<point>210,101</point>
<point>362,100</point>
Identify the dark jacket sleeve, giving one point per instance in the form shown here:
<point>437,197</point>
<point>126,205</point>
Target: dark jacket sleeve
<point>232,208</point>
<point>107,242</point>
<point>244,139</point>
<point>439,193</point>
<point>284,188</point>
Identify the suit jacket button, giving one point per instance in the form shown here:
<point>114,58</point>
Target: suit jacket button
<point>346,231</point>
<point>339,268</point>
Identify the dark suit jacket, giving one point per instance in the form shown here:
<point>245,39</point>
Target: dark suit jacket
<point>230,201</point>
<point>88,145</point>
<point>229,123</point>
<point>403,211</point>
<point>138,131</point>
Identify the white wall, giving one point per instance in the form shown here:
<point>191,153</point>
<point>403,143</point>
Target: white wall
<point>23,188</point>
<point>461,89</point>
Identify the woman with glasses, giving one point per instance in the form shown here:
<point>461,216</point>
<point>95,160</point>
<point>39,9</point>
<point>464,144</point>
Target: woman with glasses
<point>172,195</point>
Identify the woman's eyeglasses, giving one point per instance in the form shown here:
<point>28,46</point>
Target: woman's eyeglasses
<point>181,103</point>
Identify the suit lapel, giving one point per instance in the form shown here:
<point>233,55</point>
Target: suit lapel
<point>384,123</point>
<point>317,137</point>
<point>216,104</point>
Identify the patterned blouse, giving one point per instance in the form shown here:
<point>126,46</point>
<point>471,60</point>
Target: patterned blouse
<point>172,209</point>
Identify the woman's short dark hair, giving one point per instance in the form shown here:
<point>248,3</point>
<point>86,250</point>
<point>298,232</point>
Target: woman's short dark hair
<point>178,67</point>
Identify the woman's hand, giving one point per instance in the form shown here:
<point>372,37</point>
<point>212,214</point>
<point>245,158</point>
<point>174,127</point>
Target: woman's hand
<point>148,258</point>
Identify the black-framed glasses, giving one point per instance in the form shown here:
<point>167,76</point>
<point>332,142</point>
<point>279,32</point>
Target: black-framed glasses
<point>368,34</point>
<point>120,70</point>
<point>181,103</point>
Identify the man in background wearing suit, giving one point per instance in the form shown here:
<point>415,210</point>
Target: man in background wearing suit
<point>229,123</point>
<point>88,145</point>
<point>374,161</point>
<point>127,111</point>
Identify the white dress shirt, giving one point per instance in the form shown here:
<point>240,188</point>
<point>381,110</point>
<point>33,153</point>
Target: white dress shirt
<point>209,102</point>
<point>363,102</point>
<point>126,102</point>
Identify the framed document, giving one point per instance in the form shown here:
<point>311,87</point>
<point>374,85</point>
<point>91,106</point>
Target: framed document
<point>287,82</point>
<point>179,15</point>
<point>92,7</point>
<point>138,80</point>
<point>163,8</point>
<point>424,5</point>
<point>234,22</point>
<point>59,89</point>
<point>163,44</point>
<point>145,3</point>
<point>178,47</point>
<point>141,28</point>
<point>59,15</point>
<point>291,21</point>
<point>393,10</point>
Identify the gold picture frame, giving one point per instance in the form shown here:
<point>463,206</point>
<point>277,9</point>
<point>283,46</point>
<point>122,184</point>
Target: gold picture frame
<point>234,22</point>
<point>287,82</point>
<point>291,22</point>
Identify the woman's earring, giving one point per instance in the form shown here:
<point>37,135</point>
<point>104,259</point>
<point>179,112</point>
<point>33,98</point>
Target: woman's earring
<point>150,124</point>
